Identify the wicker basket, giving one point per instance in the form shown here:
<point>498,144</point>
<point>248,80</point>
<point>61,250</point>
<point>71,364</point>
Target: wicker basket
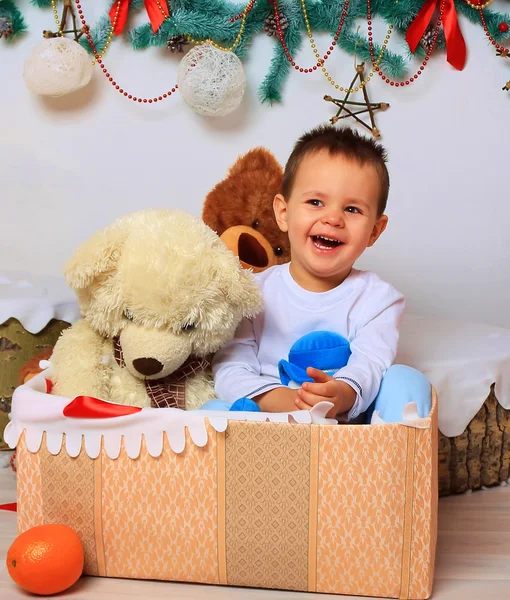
<point>480,456</point>
<point>17,346</point>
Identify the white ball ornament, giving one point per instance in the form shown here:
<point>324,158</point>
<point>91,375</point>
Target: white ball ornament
<point>211,81</point>
<point>57,66</point>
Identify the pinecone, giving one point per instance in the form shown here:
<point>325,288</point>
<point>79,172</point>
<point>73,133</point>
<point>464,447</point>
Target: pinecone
<point>428,37</point>
<point>177,42</point>
<point>270,23</point>
<point>5,27</point>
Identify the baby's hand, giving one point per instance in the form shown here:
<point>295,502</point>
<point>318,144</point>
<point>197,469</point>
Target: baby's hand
<point>325,389</point>
<point>281,399</point>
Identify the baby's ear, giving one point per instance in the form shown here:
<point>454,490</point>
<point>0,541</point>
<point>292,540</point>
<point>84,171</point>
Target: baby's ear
<point>378,230</point>
<point>95,257</point>
<point>280,212</point>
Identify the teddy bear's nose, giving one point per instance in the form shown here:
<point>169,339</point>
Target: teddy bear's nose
<point>147,366</point>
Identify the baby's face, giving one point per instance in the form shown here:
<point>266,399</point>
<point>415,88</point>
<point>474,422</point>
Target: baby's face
<point>331,218</point>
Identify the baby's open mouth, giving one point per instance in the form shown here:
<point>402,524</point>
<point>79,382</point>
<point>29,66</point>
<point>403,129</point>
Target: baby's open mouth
<point>325,243</point>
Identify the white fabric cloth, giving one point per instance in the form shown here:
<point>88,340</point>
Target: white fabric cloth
<point>363,309</point>
<point>461,360</point>
<point>34,301</point>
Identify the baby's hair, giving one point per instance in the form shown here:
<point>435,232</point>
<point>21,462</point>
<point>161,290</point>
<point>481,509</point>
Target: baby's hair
<point>339,141</point>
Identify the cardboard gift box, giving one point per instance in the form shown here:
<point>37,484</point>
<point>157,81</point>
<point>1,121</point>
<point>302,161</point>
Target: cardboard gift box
<point>274,501</point>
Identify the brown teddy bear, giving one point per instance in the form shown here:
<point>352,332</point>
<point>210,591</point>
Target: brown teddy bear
<point>240,210</point>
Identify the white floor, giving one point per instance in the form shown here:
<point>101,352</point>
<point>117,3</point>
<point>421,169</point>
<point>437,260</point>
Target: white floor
<point>473,559</point>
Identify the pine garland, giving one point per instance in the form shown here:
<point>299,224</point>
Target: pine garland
<point>270,88</point>
<point>17,25</point>
<point>210,18</point>
<point>206,19</point>
<point>202,19</point>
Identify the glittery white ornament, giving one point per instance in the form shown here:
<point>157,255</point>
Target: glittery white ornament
<point>57,66</point>
<point>211,81</point>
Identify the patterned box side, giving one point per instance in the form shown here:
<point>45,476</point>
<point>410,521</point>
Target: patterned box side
<point>68,497</point>
<point>29,487</point>
<point>267,489</point>
<point>425,508</point>
<point>361,509</point>
<point>159,515</point>
<point>147,518</point>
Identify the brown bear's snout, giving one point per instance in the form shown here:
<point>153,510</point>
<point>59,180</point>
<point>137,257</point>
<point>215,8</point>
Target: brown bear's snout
<point>251,252</point>
<point>252,248</point>
<point>147,366</point>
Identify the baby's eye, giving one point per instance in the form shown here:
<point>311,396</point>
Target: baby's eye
<point>353,209</point>
<point>129,315</point>
<point>188,326</point>
<point>315,202</point>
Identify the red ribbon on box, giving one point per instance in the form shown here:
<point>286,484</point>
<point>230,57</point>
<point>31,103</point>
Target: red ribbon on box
<point>87,407</point>
<point>154,8</point>
<point>455,44</point>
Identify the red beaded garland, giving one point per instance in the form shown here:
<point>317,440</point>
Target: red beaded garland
<point>99,60</point>
<point>487,33</point>
<point>286,50</point>
<point>423,64</point>
<point>370,41</point>
<point>240,16</point>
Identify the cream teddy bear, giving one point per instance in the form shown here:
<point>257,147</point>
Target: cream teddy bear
<point>159,293</point>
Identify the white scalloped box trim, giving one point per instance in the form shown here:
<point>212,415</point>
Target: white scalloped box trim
<point>35,412</point>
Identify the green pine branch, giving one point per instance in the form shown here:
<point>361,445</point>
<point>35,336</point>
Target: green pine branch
<point>200,26</point>
<point>12,13</point>
<point>492,18</point>
<point>41,3</point>
<point>350,40</point>
<point>99,33</point>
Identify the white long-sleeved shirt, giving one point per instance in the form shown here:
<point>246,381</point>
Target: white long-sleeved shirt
<point>363,309</point>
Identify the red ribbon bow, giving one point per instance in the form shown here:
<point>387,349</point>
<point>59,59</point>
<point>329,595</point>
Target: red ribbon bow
<point>154,8</point>
<point>455,44</point>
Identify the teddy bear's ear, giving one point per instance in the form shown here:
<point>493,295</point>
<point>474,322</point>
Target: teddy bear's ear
<point>96,256</point>
<point>239,286</point>
<point>251,304</point>
<point>258,159</point>
<point>215,211</point>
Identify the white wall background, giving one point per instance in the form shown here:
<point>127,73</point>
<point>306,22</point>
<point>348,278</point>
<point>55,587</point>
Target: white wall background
<point>71,166</point>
